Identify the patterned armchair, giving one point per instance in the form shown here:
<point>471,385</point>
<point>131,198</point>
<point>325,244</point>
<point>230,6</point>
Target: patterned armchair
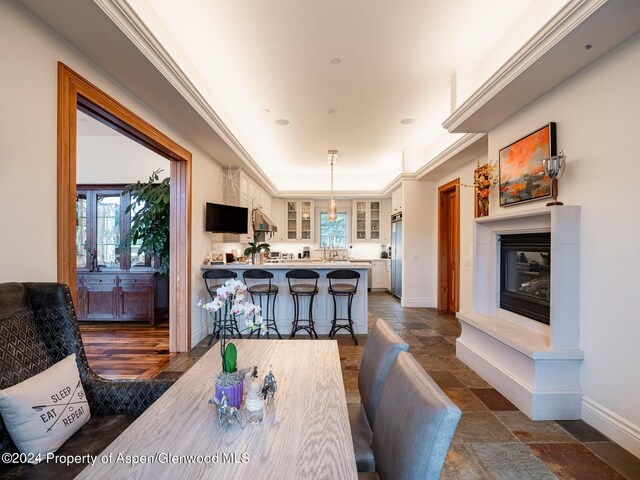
<point>38,327</point>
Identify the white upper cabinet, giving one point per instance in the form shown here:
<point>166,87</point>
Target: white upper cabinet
<point>396,200</point>
<point>370,221</point>
<point>298,218</point>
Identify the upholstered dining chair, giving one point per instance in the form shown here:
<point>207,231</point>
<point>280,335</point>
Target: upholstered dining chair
<point>381,349</point>
<point>414,426</point>
<point>38,328</point>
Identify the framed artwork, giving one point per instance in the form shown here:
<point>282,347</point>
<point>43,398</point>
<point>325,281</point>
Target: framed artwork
<point>521,173</point>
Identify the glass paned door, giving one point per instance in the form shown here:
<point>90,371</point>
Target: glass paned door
<point>305,221</point>
<point>138,258</point>
<point>81,230</point>
<point>292,221</point>
<point>108,230</point>
<point>374,233</point>
<point>361,220</point>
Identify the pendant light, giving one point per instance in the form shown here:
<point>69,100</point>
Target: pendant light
<point>333,214</point>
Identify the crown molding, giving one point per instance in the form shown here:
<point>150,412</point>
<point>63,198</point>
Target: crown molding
<point>448,153</point>
<point>127,20</point>
<point>553,32</point>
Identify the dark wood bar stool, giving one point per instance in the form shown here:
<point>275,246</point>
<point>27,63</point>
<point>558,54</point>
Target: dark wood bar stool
<point>303,289</point>
<point>341,284</point>
<point>256,286</point>
<point>213,280</point>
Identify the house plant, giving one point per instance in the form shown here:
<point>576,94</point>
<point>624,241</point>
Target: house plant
<point>229,300</point>
<point>150,218</point>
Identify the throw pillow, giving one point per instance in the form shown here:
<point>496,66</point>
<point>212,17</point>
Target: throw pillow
<point>42,412</point>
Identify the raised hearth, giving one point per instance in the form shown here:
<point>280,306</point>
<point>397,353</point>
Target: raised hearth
<point>533,364</point>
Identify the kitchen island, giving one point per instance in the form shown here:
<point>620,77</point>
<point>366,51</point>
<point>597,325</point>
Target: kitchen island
<point>323,303</point>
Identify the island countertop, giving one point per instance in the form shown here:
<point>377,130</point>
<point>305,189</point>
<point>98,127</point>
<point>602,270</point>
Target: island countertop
<point>309,265</point>
<point>323,302</point>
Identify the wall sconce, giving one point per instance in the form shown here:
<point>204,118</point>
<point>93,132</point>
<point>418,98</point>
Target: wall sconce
<point>554,168</point>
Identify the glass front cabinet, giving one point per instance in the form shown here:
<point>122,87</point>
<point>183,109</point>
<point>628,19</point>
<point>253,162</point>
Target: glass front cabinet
<point>368,221</point>
<point>299,220</point>
<point>114,282</point>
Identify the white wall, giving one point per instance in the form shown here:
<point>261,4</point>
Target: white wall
<point>28,152</point>
<point>467,199</point>
<point>597,127</point>
<point>419,240</point>
<point>116,159</point>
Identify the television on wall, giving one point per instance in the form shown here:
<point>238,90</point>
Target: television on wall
<point>226,218</point>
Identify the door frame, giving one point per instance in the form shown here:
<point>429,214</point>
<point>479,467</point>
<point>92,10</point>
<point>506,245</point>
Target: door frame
<point>75,91</point>
<point>453,185</point>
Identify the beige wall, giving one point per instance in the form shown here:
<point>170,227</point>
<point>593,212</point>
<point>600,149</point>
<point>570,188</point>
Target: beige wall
<point>28,89</point>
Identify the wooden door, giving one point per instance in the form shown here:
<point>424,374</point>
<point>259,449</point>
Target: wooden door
<point>449,246</point>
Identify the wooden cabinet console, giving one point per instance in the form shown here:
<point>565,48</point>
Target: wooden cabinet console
<point>122,296</point>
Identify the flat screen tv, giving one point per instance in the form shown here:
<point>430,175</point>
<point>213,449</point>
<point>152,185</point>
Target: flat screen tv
<point>226,218</point>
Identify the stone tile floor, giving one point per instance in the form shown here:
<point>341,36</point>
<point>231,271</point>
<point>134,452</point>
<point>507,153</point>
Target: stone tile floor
<point>494,440</point>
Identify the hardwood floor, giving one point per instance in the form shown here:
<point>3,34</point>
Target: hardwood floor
<point>129,350</point>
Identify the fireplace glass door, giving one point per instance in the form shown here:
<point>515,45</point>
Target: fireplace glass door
<point>525,275</point>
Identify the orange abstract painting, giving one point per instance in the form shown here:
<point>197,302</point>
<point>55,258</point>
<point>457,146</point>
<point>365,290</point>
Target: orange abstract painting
<point>522,176</point>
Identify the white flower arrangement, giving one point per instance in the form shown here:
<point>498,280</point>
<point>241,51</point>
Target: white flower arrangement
<point>232,296</point>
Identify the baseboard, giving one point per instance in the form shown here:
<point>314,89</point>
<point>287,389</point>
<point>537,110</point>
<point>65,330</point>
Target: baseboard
<point>621,431</point>
<point>418,302</point>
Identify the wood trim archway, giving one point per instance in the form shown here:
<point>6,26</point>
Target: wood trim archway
<point>449,241</point>
<point>76,92</point>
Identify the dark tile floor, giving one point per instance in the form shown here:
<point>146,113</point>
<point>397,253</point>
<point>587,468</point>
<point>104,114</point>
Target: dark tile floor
<point>494,440</point>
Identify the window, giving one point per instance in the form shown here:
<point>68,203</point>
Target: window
<point>101,221</point>
<point>333,233</point>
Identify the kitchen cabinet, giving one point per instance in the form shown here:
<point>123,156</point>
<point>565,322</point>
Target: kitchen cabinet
<point>278,218</point>
<point>122,296</point>
<point>378,273</point>
<point>367,220</point>
<point>387,275</point>
<point>396,200</point>
<point>298,218</point>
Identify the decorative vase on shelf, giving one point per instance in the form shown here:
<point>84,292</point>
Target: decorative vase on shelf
<point>482,207</point>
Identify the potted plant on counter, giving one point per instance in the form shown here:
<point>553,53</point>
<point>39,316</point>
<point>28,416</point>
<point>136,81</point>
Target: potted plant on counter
<point>254,250</point>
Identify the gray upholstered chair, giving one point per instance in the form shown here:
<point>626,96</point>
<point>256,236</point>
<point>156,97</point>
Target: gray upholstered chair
<point>415,423</point>
<point>383,345</point>
<point>38,327</point>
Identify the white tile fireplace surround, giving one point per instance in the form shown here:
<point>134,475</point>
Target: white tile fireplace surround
<point>536,366</point>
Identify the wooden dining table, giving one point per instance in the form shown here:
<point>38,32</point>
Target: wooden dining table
<point>305,432</point>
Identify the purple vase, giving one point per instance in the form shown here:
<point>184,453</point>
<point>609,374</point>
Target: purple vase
<point>233,393</point>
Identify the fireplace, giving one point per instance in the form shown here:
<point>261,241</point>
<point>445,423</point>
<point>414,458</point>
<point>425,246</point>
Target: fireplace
<point>535,365</point>
<point>525,267</point>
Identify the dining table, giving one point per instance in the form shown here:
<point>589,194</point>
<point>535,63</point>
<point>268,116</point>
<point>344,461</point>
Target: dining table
<point>304,433</point>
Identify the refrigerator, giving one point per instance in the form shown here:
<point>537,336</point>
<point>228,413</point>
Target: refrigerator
<point>396,255</point>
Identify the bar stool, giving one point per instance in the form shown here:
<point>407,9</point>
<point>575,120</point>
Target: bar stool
<point>343,289</point>
<point>213,280</point>
<point>303,289</point>
<point>262,290</point>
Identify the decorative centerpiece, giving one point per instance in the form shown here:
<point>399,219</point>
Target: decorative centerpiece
<point>483,183</point>
<point>230,381</point>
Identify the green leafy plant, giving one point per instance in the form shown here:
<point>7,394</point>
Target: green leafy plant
<point>255,247</point>
<point>150,220</point>
<point>230,358</point>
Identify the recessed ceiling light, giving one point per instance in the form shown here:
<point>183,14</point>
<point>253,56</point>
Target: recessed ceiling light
<point>332,110</point>
<point>407,121</point>
<point>336,61</point>
<point>282,121</point>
